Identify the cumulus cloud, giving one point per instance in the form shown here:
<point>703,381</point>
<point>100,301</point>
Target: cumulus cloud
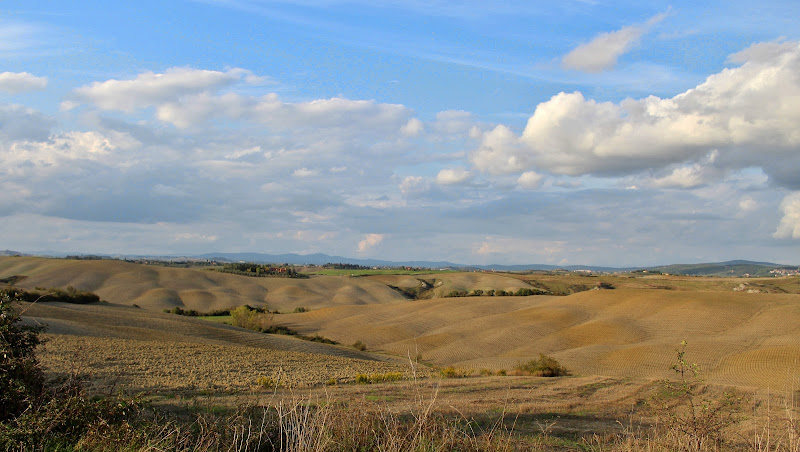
<point>149,88</point>
<point>186,98</point>
<point>55,152</point>
<point>453,176</point>
<point>691,176</point>
<point>789,226</point>
<point>19,82</point>
<point>602,52</point>
<point>748,113</point>
<point>369,241</point>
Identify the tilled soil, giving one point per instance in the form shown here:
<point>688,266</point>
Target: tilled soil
<point>131,349</point>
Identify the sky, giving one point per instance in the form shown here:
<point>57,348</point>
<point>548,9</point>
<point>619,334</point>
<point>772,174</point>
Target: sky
<point>589,132</point>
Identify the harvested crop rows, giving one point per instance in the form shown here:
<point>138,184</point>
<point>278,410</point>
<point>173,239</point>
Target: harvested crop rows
<point>135,349</point>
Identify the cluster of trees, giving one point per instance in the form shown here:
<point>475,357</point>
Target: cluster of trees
<point>261,270</point>
<point>521,292</point>
<point>340,266</point>
<point>261,320</point>
<point>195,313</point>
<point>68,295</point>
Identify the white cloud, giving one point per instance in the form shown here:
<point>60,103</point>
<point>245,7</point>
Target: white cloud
<point>413,127</point>
<point>243,153</point>
<point>304,172</point>
<point>414,186</point>
<point>748,113</point>
<point>483,249</point>
<point>499,152</point>
<point>762,51</point>
<point>530,180</point>
<point>195,237</point>
<point>370,241</point>
<point>60,149</point>
<point>747,204</point>
<point>149,88</point>
<point>691,176</point>
<point>789,226</point>
<point>602,52</point>
<point>453,176</point>
<point>19,82</point>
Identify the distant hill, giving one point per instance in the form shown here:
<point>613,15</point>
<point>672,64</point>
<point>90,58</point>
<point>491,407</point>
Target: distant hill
<point>729,268</point>
<point>733,268</point>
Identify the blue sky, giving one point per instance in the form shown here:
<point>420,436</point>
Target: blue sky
<point>590,132</point>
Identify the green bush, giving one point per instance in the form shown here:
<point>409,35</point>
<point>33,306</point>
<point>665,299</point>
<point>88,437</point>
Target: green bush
<point>68,295</point>
<point>35,415</point>
<point>21,377</point>
<point>544,366</point>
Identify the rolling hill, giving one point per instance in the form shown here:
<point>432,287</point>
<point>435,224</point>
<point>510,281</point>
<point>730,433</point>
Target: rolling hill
<point>743,332</point>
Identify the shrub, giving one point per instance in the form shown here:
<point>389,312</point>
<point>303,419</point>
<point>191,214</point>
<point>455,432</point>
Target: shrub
<point>21,377</point>
<point>378,378</point>
<point>300,309</point>
<point>544,366</point>
<point>35,415</point>
<point>267,382</point>
<point>697,421</point>
<point>362,379</point>
<point>452,372</point>
<point>250,318</point>
<point>358,345</point>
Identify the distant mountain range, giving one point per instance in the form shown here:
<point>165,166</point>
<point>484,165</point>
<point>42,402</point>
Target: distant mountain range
<point>729,268</point>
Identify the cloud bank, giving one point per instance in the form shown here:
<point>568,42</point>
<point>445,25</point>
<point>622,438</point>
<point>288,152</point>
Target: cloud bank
<point>744,116</point>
